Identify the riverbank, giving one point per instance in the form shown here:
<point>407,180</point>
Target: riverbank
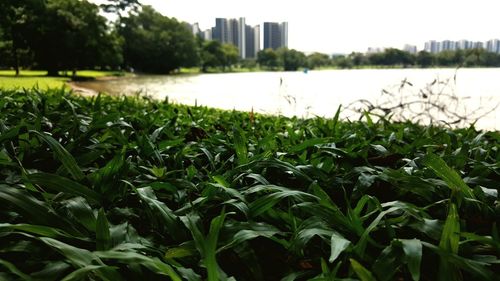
<point>146,188</point>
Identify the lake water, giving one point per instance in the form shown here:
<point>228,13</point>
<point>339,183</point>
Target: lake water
<point>319,93</point>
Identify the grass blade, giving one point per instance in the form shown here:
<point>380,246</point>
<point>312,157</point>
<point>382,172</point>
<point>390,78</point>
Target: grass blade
<point>103,237</point>
<point>363,273</point>
<point>62,184</point>
<point>62,155</point>
<point>338,245</point>
<point>14,270</point>
<point>240,145</point>
<point>413,252</point>
<point>211,247</point>
<point>450,176</point>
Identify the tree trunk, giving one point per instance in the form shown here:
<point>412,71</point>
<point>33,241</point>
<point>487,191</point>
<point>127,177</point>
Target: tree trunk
<point>52,72</point>
<point>16,59</point>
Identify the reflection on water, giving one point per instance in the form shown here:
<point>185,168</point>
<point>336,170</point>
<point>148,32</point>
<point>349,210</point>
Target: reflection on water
<point>317,93</point>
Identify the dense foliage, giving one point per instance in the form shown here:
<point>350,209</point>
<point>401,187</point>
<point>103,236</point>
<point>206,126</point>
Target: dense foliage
<point>154,43</point>
<point>55,35</point>
<point>127,188</point>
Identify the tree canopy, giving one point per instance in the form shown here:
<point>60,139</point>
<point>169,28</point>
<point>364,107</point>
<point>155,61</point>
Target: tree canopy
<point>73,35</point>
<point>155,43</point>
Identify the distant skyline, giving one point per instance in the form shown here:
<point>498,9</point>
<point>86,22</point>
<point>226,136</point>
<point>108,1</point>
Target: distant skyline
<point>332,26</point>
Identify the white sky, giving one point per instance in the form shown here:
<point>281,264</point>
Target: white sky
<point>334,26</point>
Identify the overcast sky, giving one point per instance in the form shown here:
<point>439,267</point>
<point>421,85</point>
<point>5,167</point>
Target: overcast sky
<point>333,26</point>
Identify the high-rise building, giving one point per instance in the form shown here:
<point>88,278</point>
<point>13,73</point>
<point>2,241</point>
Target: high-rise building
<point>195,28</point>
<point>207,34</point>
<point>284,34</point>
<point>275,35</point>
<point>412,49</point>
<point>242,38</point>
<point>231,31</point>
<point>448,45</point>
<point>432,46</point>
<point>478,45</point>
<point>252,44</point>
<point>493,46</point>
<point>464,45</point>
<point>256,36</point>
<point>221,30</point>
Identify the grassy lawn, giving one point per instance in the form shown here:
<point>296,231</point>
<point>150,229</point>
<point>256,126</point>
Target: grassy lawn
<point>32,78</point>
<point>31,81</point>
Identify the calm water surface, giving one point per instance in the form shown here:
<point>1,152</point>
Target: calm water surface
<point>317,93</point>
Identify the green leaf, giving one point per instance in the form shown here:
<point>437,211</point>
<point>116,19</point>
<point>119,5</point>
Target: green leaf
<point>250,231</point>
<point>62,155</point>
<point>363,273</point>
<point>413,253</point>
<point>264,203</point>
<point>211,247</point>
<point>14,270</point>
<point>338,245</point>
<point>65,185</point>
<point>240,145</point>
<point>32,209</point>
<point>10,133</point>
<point>336,120</point>
<point>82,273</point>
<point>154,264</point>
<point>309,143</point>
<point>450,237</point>
<point>40,230</point>
<point>103,237</point>
<point>450,176</point>
<point>161,212</point>
<point>76,256</point>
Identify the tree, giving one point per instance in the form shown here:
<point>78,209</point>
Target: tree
<point>119,6</point>
<point>424,59</point>
<point>231,55</point>
<point>73,35</point>
<point>211,55</point>
<point>267,58</point>
<point>358,59</point>
<point>292,59</point>
<point>392,56</point>
<point>315,60</point>
<point>342,61</point>
<point>17,23</point>
<point>446,58</point>
<point>155,43</point>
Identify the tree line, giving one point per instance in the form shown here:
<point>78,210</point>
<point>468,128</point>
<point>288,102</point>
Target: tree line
<point>57,35</point>
<point>396,57</point>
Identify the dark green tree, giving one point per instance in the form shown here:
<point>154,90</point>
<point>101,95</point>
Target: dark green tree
<point>392,56</point>
<point>267,58</point>
<point>446,58</point>
<point>358,59</point>
<point>342,61</point>
<point>315,60</point>
<point>72,35</point>
<point>424,59</point>
<point>155,43</point>
<point>291,59</point>
<point>230,55</point>
<point>211,55</point>
<point>18,26</point>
